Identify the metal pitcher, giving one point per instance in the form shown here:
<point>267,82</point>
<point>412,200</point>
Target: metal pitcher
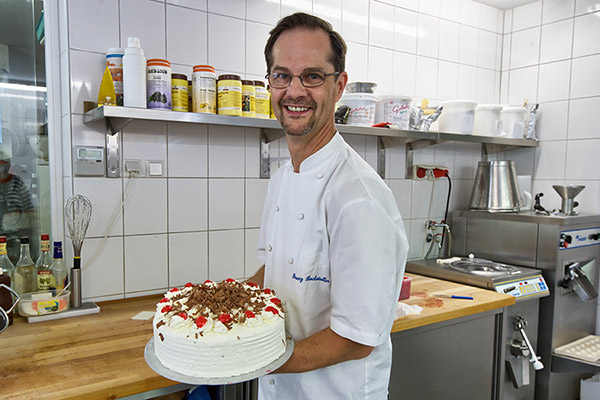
<point>496,188</point>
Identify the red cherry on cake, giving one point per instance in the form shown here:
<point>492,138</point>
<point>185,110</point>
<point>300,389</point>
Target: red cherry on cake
<point>207,282</point>
<point>229,280</point>
<point>267,291</point>
<point>166,309</point>
<point>225,318</point>
<point>276,301</point>
<point>272,309</point>
<point>189,284</point>
<point>252,284</point>
<point>183,315</point>
<point>249,314</point>
<point>163,300</point>
<point>200,321</point>
<point>174,290</point>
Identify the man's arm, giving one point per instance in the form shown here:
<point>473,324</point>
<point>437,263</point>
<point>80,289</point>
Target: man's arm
<point>259,277</point>
<point>321,350</point>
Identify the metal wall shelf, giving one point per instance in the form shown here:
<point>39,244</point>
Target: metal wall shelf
<point>118,118</point>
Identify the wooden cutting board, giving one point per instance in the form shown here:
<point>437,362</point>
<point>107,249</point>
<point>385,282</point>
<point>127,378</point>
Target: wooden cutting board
<point>99,356</point>
<point>437,309</point>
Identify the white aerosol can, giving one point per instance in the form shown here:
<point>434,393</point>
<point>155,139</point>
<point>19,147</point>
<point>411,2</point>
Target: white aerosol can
<point>134,74</point>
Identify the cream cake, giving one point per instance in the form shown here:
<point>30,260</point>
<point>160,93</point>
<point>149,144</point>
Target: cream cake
<point>219,329</point>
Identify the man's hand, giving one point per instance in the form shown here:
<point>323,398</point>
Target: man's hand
<point>322,349</point>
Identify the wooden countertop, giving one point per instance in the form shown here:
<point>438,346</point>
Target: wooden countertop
<point>101,356</point>
<point>437,309</point>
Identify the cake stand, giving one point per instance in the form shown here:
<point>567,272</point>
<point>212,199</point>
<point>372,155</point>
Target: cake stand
<point>154,363</point>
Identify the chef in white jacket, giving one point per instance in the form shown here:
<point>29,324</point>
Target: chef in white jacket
<point>332,242</point>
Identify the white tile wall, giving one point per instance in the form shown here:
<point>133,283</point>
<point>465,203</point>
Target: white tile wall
<point>201,220</point>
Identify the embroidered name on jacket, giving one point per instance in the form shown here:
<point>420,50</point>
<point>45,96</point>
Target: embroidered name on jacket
<point>309,278</point>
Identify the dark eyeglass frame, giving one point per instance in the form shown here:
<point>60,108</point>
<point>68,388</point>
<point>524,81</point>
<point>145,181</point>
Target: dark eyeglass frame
<point>268,77</point>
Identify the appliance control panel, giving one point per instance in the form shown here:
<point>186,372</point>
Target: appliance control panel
<point>579,238</point>
<point>534,286</point>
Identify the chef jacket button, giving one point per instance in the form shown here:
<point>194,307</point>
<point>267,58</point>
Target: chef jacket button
<point>319,175</point>
<point>301,216</point>
<point>272,381</point>
<point>276,208</point>
<point>290,260</point>
<point>269,248</point>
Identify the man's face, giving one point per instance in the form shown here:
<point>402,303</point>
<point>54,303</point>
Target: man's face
<point>302,110</point>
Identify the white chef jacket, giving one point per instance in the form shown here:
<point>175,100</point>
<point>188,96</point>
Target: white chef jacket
<point>334,249</point>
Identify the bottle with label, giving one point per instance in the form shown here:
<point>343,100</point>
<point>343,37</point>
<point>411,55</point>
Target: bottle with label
<point>134,74</point>
<point>204,89</point>
<point>25,272</point>
<point>114,62</point>
<point>6,266</point>
<point>158,84</point>
<point>60,272</point>
<point>43,264</point>
<point>261,100</point>
<point>6,277</point>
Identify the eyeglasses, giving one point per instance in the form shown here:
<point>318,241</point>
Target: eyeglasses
<point>282,80</point>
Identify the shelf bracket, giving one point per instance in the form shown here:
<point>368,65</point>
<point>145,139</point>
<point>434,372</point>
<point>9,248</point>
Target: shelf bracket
<point>267,136</point>
<point>113,158</point>
<point>411,147</point>
<point>116,125</point>
<point>381,158</point>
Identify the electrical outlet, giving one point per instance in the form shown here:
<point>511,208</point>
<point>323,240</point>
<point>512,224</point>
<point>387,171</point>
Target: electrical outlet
<point>429,172</point>
<point>134,167</point>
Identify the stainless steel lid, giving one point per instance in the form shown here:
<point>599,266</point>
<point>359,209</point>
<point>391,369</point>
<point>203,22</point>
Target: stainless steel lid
<point>496,188</point>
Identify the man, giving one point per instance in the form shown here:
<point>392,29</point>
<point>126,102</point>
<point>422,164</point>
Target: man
<point>16,207</point>
<point>332,240</point>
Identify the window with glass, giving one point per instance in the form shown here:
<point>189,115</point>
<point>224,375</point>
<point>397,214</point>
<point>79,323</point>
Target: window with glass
<point>24,166</point>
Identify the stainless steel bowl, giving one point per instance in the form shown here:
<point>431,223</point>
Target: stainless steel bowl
<point>496,188</point>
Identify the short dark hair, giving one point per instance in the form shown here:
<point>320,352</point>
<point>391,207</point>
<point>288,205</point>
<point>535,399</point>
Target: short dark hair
<point>302,20</point>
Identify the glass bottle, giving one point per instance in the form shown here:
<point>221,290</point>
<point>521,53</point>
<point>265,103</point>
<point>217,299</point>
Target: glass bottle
<point>6,266</point>
<point>25,271</point>
<point>43,263</point>
<point>60,272</point>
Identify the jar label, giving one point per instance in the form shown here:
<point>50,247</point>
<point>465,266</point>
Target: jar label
<point>158,87</point>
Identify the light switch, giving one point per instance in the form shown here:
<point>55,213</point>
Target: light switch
<point>155,168</point>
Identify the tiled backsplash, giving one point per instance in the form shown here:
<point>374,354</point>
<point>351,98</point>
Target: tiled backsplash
<point>201,219</point>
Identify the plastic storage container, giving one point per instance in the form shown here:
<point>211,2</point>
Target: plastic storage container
<point>42,303</point>
<point>487,120</point>
<point>513,121</point>
<point>395,110</point>
<point>204,89</point>
<point>405,290</point>
<point>229,95</point>
<point>158,84</point>
<point>362,108</point>
<point>458,116</point>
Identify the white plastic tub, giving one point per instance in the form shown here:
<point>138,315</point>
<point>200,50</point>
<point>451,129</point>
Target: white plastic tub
<point>458,116</point>
<point>395,110</point>
<point>513,121</point>
<point>487,120</point>
<point>362,108</point>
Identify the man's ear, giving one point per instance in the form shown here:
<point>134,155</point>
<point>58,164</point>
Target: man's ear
<point>341,84</point>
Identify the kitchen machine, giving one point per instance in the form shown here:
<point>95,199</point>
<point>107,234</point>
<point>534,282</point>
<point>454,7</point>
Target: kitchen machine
<point>565,248</point>
<point>515,375</point>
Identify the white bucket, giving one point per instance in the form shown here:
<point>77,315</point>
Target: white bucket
<point>395,110</point>
<point>513,121</point>
<point>487,120</point>
<point>362,108</point>
<point>458,116</point>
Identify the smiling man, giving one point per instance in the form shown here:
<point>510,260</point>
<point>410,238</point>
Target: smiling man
<point>332,240</point>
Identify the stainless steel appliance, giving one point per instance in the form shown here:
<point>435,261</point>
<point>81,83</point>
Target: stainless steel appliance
<point>516,380</point>
<point>566,249</point>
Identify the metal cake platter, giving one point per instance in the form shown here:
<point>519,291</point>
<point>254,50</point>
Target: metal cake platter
<point>154,363</point>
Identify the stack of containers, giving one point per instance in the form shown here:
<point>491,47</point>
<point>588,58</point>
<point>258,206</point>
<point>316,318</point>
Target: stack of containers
<point>487,120</point>
<point>361,101</point>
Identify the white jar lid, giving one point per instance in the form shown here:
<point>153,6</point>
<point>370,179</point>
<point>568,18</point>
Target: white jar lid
<point>463,103</point>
